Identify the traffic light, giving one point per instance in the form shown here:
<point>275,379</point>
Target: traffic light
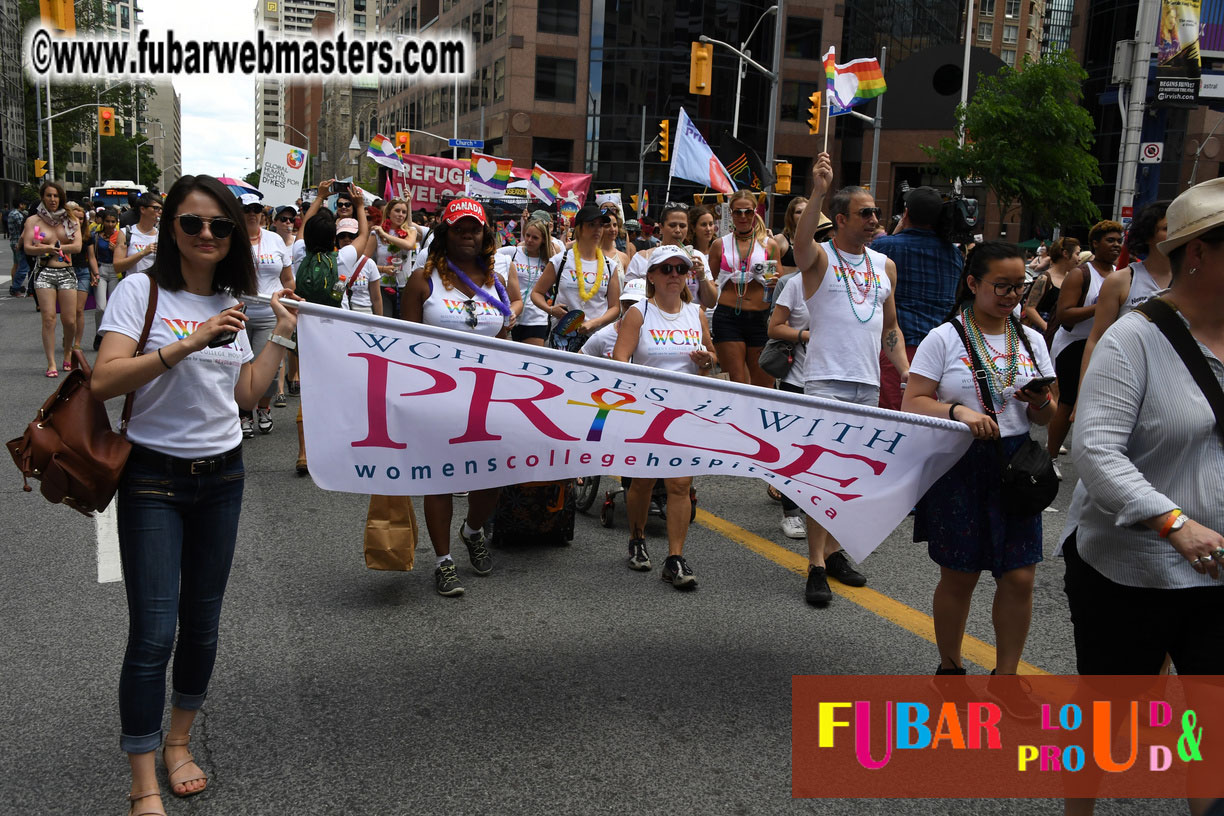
<point>634,200</point>
<point>664,140</point>
<point>106,121</point>
<point>40,168</point>
<point>814,114</point>
<point>402,142</point>
<point>782,170</point>
<point>701,69</point>
<point>59,15</point>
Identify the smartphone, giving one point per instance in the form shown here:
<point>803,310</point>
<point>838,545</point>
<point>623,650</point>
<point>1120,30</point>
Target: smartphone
<point>225,338</point>
<point>1036,386</point>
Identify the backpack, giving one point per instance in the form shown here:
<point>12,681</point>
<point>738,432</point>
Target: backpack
<point>316,278</point>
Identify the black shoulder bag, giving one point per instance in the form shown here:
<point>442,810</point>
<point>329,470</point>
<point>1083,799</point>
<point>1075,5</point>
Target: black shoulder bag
<point>1029,481</point>
<point>1164,315</point>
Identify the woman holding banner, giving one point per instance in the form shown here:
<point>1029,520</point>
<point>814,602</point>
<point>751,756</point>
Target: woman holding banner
<point>458,289</point>
<point>668,311</point>
<point>962,515</point>
<point>581,277</point>
<point>741,318</point>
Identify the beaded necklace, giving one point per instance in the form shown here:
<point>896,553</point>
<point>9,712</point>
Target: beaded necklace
<point>741,265</point>
<point>870,283</point>
<point>997,382</point>
<point>501,302</point>
<point>584,293</point>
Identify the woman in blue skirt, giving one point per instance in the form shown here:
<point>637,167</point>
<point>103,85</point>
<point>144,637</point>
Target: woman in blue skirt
<point>961,516</point>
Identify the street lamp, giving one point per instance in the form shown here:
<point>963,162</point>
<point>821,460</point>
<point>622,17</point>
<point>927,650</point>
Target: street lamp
<point>147,138</point>
<point>739,73</point>
<point>308,150</point>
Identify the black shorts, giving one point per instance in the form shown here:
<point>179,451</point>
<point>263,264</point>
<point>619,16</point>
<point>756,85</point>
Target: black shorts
<point>1067,368</point>
<point>1128,630</point>
<point>520,333</point>
<point>748,327</point>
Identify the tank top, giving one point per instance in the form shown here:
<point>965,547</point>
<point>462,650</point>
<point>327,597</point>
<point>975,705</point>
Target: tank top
<point>1064,336</point>
<point>1049,299</point>
<point>136,241</point>
<point>788,259</point>
<point>1143,287</point>
<point>847,318</point>
<point>528,270</point>
<point>665,341</point>
<point>104,247</point>
<point>740,271</point>
<point>451,309</point>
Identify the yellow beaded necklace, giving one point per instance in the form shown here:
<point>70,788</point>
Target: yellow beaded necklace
<point>583,292</point>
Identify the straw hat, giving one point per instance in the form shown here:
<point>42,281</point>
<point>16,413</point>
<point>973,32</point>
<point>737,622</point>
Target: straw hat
<point>1194,212</point>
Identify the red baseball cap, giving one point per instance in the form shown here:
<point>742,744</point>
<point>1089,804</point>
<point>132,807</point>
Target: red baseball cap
<point>464,208</point>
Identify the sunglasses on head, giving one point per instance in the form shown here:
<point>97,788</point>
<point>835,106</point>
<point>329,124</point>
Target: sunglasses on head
<point>741,211</point>
<point>220,227</point>
<point>675,205</point>
<point>868,212</point>
<point>672,269</point>
<point>471,320</point>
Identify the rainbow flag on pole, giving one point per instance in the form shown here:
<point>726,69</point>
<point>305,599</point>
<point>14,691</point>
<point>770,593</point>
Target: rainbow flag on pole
<point>544,185</point>
<point>853,83</point>
<point>488,175</point>
<point>382,150</point>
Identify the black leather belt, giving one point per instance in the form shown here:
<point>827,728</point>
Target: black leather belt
<point>147,457</point>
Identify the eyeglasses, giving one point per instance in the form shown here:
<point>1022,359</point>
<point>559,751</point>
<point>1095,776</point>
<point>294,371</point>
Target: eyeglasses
<point>286,219</point>
<point>741,211</point>
<point>470,320</point>
<point>347,204</point>
<point>1003,289</point>
<point>672,269</point>
<point>868,212</point>
<point>253,209</point>
<point>192,225</point>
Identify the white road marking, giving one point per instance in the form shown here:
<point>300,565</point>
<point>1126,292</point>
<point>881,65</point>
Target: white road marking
<point>107,524</point>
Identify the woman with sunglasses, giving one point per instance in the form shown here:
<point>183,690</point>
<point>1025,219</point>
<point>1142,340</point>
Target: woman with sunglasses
<point>352,235</point>
<point>458,289</point>
<point>668,312</point>
<point>273,272</point>
<point>961,517</point>
<point>284,224</point>
<point>581,277</point>
<point>180,495</point>
<point>137,248</point>
<point>741,318</point>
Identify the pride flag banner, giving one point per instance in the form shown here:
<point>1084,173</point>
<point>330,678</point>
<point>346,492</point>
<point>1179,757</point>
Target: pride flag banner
<point>693,160</point>
<point>544,185</point>
<point>382,150</point>
<point>488,175</point>
<point>852,83</point>
<point>440,411</point>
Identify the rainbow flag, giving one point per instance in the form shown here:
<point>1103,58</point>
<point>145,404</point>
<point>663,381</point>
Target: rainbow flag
<point>544,185</point>
<point>853,83</point>
<point>644,202</point>
<point>382,150</point>
<point>488,175</point>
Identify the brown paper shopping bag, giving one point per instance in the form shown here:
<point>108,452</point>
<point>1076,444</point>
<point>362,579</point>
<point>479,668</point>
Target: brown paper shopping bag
<point>390,533</point>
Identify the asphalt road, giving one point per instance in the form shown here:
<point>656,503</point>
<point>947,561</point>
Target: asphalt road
<point>562,683</point>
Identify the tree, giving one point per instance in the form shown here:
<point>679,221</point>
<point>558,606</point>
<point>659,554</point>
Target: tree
<point>1028,139</point>
<point>119,159</point>
<point>252,178</point>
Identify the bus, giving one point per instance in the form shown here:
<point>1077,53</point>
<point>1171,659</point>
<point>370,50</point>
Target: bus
<point>117,193</point>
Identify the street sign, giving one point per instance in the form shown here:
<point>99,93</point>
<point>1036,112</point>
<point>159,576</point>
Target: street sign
<point>1128,214</point>
<point>477,144</point>
<point>1151,152</point>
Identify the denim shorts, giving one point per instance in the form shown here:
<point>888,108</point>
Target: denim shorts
<point>82,278</point>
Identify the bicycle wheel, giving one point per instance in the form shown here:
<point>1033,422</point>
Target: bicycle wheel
<point>588,490</point>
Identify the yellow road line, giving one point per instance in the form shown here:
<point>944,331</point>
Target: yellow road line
<point>906,617</point>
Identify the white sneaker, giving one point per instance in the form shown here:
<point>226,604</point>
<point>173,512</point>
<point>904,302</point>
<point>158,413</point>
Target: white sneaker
<point>264,420</point>
<point>248,428</point>
<point>794,527</point>
<point>1062,450</point>
<point>1057,469</point>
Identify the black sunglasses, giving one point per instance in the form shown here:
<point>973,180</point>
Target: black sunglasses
<point>220,227</point>
<point>867,212</point>
<point>340,204</point>
<point>286,219</point>
<point>471,319</point>
<point>672,269</point>
<point>253,209</point>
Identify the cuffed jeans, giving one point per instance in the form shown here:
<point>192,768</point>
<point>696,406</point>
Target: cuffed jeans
<point>176,539</point>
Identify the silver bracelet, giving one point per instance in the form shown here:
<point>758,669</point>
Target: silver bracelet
<point>287,342</point>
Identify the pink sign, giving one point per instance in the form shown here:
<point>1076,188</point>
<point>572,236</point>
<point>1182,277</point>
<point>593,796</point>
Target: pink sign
<point>430,179</point>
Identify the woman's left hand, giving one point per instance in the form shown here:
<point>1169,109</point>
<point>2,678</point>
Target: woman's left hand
<point>703,358</point>
<point>285,317</point>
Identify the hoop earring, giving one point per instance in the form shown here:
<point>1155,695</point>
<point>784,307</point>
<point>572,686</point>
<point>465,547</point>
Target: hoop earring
<point>1192,270</point>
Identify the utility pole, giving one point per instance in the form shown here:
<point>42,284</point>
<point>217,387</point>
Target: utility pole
<point>879,123</point>
<point>641,185</point>
<point>774,78</point>
<point>1132,120</point>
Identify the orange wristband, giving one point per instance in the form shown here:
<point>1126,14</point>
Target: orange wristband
<point>1168,525</point>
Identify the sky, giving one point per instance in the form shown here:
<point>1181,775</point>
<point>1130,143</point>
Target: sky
<point>218,112</point>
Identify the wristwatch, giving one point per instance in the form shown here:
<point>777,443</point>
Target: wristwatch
<point>287,342</point>
<point>1175,525</point>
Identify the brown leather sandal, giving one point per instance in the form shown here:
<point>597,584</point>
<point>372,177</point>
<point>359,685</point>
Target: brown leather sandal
<point>187,775</point>
<point>136,797</point>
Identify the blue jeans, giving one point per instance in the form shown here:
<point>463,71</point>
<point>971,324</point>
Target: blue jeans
<point>176,540</point>
<point>23,271</point>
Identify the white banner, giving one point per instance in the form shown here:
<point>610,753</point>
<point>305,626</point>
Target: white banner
<point>280,179</point>
<point>398,408</point>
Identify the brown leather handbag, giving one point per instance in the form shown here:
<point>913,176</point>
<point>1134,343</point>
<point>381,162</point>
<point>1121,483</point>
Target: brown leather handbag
<point>70,447</point>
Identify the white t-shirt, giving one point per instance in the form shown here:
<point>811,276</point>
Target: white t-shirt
<point>601,343</point>
<point>639,264</point>
<point>515,259</point>
<point>942,357</point>
<point>271,257</point>
<point>136,241</point>
<point>792,298</point>
<point>567,292</point>
<point>188,411</point>
<point>665,341</point>
<point>846,315</point>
